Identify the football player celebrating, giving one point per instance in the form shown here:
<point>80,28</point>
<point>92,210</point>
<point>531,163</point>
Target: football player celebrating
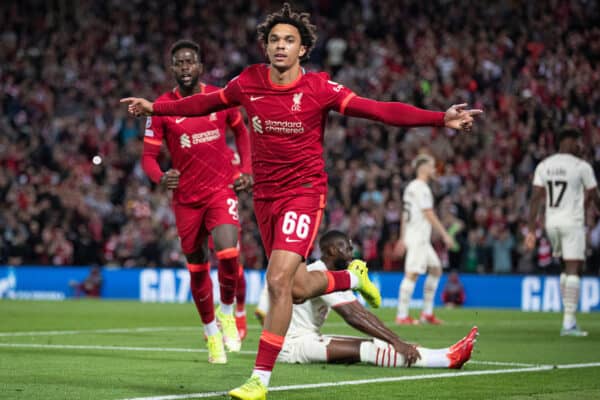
<point>203,201</point>
<point>287,109</point>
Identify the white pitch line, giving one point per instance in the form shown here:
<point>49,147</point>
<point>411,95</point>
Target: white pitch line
<point>379,380</point>
<point>502,363</point>
<point>127,330</point>
<point>110,330</point>
<point>109,348</point>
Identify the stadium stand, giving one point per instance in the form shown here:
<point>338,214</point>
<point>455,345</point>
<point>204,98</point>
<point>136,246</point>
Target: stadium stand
<point>72,191</point>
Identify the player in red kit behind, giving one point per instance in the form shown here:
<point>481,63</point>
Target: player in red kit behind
<point>287,109</point>
<point>240,287</point>
<point>203,201</point>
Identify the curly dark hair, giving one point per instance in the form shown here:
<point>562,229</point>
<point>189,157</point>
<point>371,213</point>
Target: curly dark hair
<point>308,31</point>
<point>185,44</point>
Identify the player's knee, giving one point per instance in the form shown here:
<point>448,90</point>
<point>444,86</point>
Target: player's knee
<point>197,257</point>
<point>411,276</point>
<point>279,286</point>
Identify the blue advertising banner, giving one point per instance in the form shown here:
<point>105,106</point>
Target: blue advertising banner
<point>525,292</point>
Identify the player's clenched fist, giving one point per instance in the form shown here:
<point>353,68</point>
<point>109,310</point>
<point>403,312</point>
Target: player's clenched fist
<point>243,183</point>
<point>170,179</point>
<point>138,107</point>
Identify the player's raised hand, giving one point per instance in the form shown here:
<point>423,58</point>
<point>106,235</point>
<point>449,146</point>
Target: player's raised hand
<point>170,179</point>
<point>243,183</point>
<point>530,240</point>
<point>459,118</point>
<point>138,107</point>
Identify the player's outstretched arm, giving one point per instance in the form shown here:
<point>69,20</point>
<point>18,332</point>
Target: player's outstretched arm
<point>192,106</point>
<point>535,206</point>
<point>400,114</point>
<point>363,320</point>
<point>138,107</point>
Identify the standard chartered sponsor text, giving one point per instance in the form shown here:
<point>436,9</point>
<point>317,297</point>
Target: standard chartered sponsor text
<point>288,127</point>
<point>207,136</point>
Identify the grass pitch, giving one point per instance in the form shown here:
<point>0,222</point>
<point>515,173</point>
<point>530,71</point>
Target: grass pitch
<point>125,350</point>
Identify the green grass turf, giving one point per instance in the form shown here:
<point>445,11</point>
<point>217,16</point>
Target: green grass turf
<point>56,373</point>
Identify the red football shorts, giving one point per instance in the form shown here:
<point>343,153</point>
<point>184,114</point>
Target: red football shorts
<point>289,223</point>
<point>196,221</point>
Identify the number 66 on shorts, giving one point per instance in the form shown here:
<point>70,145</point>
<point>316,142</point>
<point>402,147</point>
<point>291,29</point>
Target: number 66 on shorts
<point>289,223</point>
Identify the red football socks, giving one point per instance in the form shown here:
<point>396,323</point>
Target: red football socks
<point>202,291</point>
<point>240,290</point>
<point>269,347</point>
<point>228,273</point>
<point>337,281</point>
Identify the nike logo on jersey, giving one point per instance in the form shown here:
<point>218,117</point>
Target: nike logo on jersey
<point>254,98</point>
<point>289,240</point>
<point>180,120</point>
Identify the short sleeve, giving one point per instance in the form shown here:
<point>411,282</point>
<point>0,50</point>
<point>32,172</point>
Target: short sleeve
<point>589,180</point>
<point>335,96</point>
<point>424,197</point>
<point>338,298</point>
<point>537,176</point>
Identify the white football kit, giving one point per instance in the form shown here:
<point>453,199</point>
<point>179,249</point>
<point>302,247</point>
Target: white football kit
<point>417,235</point>
<point>565,178</point>
<point>304,342</point>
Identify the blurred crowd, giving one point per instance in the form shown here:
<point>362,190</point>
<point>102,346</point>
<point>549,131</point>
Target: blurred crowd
<point>72,191</point>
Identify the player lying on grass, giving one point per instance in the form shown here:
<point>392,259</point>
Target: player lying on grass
<point>304,342</point>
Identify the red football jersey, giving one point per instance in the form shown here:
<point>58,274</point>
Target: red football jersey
<point>198,149</point>
<point>288,121</point>
<point>287,124</point>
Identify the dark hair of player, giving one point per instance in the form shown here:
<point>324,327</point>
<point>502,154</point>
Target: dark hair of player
<point>308,31</point>
<point>185,44</point>
<point>568,133</point>
<point>329,238</point>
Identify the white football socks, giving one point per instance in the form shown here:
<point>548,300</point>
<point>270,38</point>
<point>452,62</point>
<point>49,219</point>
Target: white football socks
<point>264,376</point>
<point>211,328</point>
<point>407,287</point>
<point>383,354</point>
<point>431,284</point>
<point>227,309</point>
<point>563,280</point>
<point>353,280</point>
<point>570,300</point>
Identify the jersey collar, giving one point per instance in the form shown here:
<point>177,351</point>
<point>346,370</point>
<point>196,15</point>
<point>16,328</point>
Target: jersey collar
<point>287,86</point>
<point>179,96</point>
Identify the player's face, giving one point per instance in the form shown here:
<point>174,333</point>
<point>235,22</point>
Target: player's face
<point>343,251</point>
<point>284,47</point>
<point>186,68</point>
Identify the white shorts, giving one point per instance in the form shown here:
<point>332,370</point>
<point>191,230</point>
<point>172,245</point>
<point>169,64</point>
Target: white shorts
<point>419,257</point>
<point>305,349</point>
<point>567,242</point>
